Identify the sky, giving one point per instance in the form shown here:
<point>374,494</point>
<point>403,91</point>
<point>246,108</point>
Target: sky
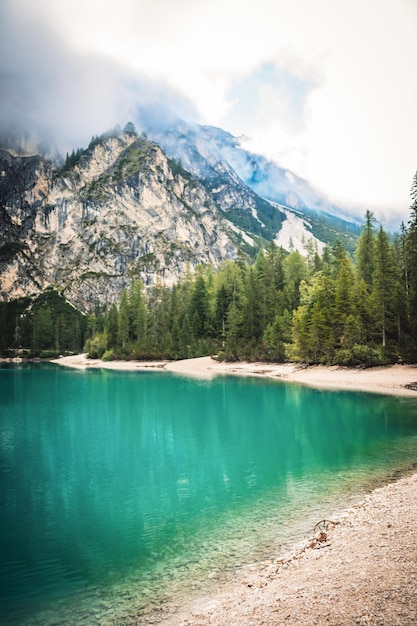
<point>325,88</point>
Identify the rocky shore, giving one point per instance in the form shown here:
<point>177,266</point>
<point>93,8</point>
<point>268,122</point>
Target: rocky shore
<point>360,570</point>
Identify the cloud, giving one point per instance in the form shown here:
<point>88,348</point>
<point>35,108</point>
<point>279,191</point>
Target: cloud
<point>271,92</point>
<point>361,134</point>
<point>56,94</point>
<point>325,88</point>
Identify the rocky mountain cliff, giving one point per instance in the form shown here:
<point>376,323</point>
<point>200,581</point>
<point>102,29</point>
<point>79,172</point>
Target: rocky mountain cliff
<point>123,211</point>
<point>126,208</point>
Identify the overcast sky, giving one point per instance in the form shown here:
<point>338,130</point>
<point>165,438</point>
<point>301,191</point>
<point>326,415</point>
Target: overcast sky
<point>327,88</point>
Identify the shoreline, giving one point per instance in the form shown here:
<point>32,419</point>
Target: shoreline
<point>363,570</point>
<point>392,379</point>
<point>360,569</point>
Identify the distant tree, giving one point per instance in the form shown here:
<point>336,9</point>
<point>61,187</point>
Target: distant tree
<point>383,286</point>
<point>276,335</point>
<point>266,266</point>
<point>252,318</point>
<point>365,251</point>
<point>314,319</point>
<point>123,320</point>
<point>220,316</point>
<point>43,331</point>
<point>138,313</point>
<point>295,270</point>
<point>185,338</point>
<point>199,308</point>
<point>233,328</point>
<point>411,252</point>
<point>345,304</point>
<point>130,129</point>
<point>111,326</point>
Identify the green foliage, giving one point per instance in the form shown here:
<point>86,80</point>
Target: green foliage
<point>130,129</point>
<point>71,160</point>
<point>360,355</point>
<point>47,324</point>
<point>365,251</point>
<point>282,306</point>
<point>96,346</point>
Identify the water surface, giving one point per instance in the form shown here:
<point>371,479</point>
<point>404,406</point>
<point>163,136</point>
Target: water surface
<point>121,490</point>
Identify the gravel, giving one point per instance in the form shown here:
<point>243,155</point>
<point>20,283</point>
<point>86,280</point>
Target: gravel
<point>361,569</point>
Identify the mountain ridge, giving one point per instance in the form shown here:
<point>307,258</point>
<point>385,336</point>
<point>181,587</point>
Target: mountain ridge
<point>128,208</point>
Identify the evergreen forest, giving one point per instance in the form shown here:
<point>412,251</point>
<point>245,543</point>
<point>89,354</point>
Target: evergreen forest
<point>336,308</point>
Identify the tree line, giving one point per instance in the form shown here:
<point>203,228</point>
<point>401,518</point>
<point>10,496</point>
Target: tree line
<point>45,326</point>
<point>332,308</point>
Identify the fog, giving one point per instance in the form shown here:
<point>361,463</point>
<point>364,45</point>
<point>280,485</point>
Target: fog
<point>55,95</point>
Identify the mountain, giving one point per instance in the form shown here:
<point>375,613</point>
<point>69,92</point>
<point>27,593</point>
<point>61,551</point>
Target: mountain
<point>149,207</point>
<point>123,210</point>
<point>219,160</point>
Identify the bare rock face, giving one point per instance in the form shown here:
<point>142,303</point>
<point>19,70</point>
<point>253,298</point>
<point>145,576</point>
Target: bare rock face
<point>123,211</point>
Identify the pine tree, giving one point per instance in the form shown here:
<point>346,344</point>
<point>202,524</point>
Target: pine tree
<point>270,275</point>
<point>365,251</point>
<point>185,337</point>
<point>403,256</point>
<point>252,327</point>
<point>344,296</point>
<point>383,286</point>
<point>138,314</point>
<point>43,331</point>
<point>130,129</point>
<point>295,271</point>
<point>220,315</point>
<point>123,320</point>
<point>199,309</point>
<point>411,252</point>
<point>233,332</point>
<point>111,326</point>
<point>313,320</point>
<point>159,338</point>
<point>276,335</point>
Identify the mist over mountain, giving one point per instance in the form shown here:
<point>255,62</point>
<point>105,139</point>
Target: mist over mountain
<point>220,161</point>
<point>201,148</point>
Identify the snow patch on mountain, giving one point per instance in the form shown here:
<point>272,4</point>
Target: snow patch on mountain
<point>294,234</point>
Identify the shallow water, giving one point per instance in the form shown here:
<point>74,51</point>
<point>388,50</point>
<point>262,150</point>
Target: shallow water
<point>121,491</point>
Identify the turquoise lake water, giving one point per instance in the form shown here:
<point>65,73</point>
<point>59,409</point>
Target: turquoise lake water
<point>119,492</point>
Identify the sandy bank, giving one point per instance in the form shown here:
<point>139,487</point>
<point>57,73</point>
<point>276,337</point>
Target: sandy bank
<point>80,361</point>
<point>362,571</point>
<point>388,380</point>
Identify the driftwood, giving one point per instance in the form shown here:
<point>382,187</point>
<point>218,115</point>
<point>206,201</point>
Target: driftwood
<point>324,524</point>
<point>320,540</point>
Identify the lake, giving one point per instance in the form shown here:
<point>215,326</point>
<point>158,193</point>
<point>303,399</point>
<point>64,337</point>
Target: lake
<point>122,491</point>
